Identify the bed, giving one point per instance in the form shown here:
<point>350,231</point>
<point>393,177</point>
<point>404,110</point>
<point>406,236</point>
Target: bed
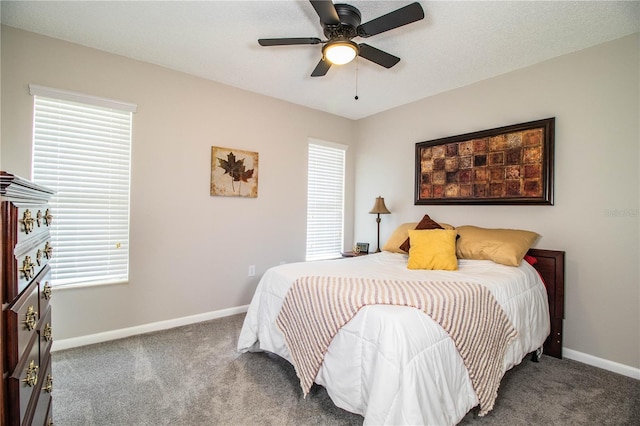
<point>396,364</point>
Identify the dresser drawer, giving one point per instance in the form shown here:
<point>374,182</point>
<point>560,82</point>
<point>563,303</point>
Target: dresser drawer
<point>48,414</point>
<point>26,245</point>
<point>43,281</point>
<point>45,333</point>
<point>22,385</point>
<point>41,408</point>
<point>32,220</point>
<point>21,322</point>
<point>30,258</point>
<point>43,417</point>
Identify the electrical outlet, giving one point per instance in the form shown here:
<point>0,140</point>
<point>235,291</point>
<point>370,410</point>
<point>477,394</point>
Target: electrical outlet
<point>252,270</point>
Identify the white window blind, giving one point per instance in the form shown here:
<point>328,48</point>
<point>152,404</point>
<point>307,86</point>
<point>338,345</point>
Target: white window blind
<point>82,151</point>
<point>325,201</point>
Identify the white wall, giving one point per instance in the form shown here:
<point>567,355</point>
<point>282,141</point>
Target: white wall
<point>190,252</point>
<point>594,95</point>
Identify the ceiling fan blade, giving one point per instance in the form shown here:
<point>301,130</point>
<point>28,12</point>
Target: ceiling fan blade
<point>288,41</point>
<point>321,69</point>
<point>326,11</point>
<point>378,56</point>
<point>403,16</point>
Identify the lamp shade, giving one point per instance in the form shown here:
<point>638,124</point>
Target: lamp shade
<point>340,52</point>
<point>379,207</point>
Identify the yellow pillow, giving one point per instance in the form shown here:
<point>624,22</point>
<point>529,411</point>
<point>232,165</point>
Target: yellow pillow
<point>398,237</point>
<point>433,249</point>
<point>505,246</point>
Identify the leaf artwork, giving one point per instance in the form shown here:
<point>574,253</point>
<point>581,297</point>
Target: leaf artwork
<point>236,169</point>
<point>230,168</point>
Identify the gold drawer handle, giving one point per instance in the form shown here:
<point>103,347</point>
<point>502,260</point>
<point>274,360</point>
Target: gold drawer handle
<point>31,318</point>
<point>27,221</point>
<point>32,374</point>
<point>39,257</point>
<point>46,291</point>
<point>28,268</point>
<point>48,387</point>
<point>50,422</point>
<point>48,250</point>
<point>39,218</point>
<point>48,332</point>
<point>48,218</point>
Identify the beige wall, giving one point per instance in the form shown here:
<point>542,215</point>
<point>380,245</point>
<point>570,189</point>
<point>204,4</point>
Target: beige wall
<point>594,95</point>
<point>190,252</point>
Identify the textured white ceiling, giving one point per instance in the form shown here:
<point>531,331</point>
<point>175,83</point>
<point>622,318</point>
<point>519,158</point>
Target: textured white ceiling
<point>458,42</point>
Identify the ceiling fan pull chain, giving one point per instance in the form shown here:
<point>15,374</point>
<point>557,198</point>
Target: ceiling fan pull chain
<point>356,97</point>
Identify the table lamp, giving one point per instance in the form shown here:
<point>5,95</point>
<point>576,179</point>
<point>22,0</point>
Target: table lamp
<point>379,208</point>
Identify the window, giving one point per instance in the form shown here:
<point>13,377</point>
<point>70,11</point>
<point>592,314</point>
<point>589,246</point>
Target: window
<point>82,150</point>
<point>325,200</point>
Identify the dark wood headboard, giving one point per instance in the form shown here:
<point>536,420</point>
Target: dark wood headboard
<point>551,266</point>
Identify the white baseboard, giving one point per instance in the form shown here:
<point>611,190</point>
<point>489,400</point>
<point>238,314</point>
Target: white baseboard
<point>605,364</point>
<point>90,339</point>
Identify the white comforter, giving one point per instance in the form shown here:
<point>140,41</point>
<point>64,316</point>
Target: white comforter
<point>394,364</point>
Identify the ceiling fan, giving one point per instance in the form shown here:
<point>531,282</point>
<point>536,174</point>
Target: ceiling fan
<point>341,23</point>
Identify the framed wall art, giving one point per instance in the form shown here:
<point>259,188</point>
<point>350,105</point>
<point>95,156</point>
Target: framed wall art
<point>506,165</point>
<point>234,172</point>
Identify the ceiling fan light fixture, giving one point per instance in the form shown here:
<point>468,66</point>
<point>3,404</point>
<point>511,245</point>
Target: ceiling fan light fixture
<point>340,52</point>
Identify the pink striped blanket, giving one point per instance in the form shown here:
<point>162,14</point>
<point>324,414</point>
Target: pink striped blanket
<point>316,307</point>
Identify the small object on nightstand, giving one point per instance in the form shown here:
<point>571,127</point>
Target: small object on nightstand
<point>361,248</point>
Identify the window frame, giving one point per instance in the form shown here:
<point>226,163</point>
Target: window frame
<point>94,147</point>
<point>334,248</point>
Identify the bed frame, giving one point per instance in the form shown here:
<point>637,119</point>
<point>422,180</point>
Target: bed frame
<point>551,266</point>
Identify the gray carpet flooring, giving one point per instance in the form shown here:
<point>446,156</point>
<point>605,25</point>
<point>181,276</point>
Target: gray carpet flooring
<point>192,375</point>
